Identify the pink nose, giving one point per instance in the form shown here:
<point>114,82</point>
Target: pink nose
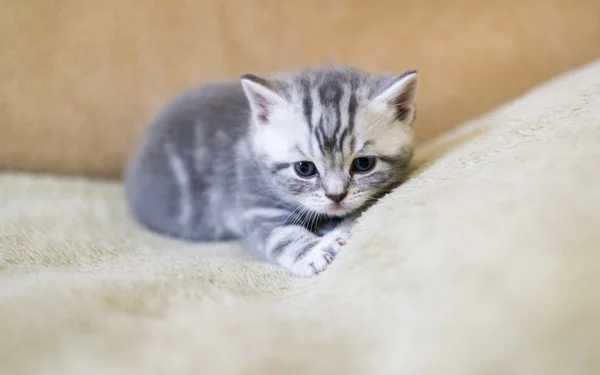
<point>337,198</point>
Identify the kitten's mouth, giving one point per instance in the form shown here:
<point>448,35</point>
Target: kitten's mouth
<point>335,209</point>
<point>338,209</point>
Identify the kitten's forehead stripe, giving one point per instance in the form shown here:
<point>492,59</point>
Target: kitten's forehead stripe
<point>307,104</point>
<point>316,113</point>
<point>331,92</point>
<point>320,137</point>
<point>352,104</point>
<point>338,123</point>
<point>342,139</point>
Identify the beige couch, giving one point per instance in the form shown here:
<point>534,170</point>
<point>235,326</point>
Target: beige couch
<point>484,262</point>
<point>81,77</point>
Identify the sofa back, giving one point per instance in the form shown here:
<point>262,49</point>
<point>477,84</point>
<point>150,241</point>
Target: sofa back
<point>81,78</point>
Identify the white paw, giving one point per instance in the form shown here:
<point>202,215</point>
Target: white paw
<point>323,253</point>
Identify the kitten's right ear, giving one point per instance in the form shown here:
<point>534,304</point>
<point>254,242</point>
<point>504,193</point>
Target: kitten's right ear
<point>261,96</point>
<point>401,94</point>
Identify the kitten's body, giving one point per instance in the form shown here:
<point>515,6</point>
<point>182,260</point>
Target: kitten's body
<point>218,163</point>
<point>180,183</point>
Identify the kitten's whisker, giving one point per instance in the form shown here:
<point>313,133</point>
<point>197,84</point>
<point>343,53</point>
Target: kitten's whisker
<point>300,216</point>
<point>292,213</point>
<point>313,220</point>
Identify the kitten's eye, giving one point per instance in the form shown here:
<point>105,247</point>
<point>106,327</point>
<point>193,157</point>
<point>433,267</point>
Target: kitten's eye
<point>305,169</point>
<point>363,164</point>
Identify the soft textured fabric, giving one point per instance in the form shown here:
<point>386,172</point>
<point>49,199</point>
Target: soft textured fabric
<point>81,78</point>
<point>484,262</point>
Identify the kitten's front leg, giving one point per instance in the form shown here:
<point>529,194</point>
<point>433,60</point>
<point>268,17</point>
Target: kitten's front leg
<point>295,248</point>
<point>323,252</point>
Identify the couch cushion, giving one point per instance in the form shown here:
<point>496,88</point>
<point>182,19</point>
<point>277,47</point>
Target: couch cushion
<point>485,261</point>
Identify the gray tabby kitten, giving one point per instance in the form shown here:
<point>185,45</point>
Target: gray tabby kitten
<point>274,161</point>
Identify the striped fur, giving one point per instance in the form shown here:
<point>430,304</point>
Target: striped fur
<point>219,162</point>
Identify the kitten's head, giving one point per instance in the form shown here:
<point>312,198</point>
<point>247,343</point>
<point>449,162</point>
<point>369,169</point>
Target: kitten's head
<point>333,139</point>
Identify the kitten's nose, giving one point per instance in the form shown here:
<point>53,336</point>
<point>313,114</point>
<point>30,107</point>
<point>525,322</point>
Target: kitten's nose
<point>337,198</point>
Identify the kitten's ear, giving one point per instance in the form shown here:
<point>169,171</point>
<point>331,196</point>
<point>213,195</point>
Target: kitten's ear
<point>401,94</point>
<point>261,96</point>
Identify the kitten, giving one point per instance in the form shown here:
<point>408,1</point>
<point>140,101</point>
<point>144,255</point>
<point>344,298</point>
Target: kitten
<point>274,161</point>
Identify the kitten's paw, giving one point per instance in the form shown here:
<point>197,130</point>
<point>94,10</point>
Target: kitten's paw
<point>323,253</point>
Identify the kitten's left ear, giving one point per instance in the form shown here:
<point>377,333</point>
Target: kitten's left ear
<point>401,94</point>
<point>261,96</point>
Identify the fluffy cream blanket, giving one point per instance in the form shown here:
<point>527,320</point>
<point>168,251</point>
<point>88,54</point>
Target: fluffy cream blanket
<point>485,262</point>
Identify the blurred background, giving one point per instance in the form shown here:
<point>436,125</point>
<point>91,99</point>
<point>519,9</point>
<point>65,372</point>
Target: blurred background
<point>80,78</point>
